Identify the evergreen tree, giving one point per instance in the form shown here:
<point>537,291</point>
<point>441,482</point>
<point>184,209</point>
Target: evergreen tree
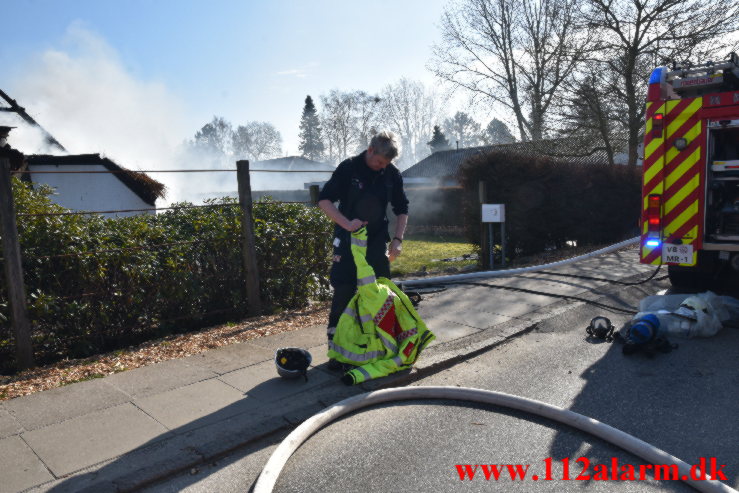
<point>497,132</point>
<point>438,141</point>
<point>311,142</point>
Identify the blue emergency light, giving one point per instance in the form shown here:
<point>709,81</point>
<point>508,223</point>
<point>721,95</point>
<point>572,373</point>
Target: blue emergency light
<point>656,76</point>
<point>652,243</point>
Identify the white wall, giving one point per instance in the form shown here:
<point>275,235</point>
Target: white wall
<point>89,191</point>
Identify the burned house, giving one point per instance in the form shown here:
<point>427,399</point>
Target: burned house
<point>109,187</point>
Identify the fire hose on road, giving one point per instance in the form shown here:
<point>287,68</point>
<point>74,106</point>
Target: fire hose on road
<point>639,448</point>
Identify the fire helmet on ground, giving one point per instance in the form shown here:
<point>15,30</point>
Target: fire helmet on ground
<point>292,362</point>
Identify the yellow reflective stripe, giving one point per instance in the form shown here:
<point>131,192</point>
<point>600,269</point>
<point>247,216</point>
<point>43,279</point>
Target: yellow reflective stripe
<point>385,342</point>
<point>688,112</point>
<point>364,373</point>
<point>363,281</point>
<point>359,243</point>
<point>355,356</point>
<point>683,218</point>
<point>683,168</point>
<point>690,135</point>
<point>676,199</point>
<point>646,251</point>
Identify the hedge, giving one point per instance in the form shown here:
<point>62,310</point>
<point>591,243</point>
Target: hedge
<point>95,284</point>
<point>550,202</point>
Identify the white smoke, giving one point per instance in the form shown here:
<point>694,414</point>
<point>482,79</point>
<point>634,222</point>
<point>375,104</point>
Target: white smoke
<point>84,96</point>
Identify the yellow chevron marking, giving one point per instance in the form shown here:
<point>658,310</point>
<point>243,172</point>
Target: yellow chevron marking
<point>690,135</point>
<point>689,162</point>
<point>680,119</point>
<point>676,199</point>
<point>646,251</point>
<point>683,218</point>
<point>655,168</point>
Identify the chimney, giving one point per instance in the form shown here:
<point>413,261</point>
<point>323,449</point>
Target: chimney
<point>4,131</point>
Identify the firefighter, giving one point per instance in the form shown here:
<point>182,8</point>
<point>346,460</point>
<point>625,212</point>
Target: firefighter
<point>379,331</point>
<point>363,186</point>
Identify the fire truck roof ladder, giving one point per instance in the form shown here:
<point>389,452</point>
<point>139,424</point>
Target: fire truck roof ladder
<point>694,80</point>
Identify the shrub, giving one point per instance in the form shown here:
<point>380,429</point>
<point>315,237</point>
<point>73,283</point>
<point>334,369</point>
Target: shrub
<point>95,284</point>
<point>550,202</point>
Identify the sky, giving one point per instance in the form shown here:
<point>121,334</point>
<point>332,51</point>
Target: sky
<point>133,78</point>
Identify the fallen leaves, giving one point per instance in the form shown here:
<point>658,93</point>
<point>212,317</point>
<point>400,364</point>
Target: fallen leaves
<point>70,371</point>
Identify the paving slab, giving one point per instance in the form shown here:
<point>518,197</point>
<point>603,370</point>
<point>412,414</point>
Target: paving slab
<point>306,338</point>
<point>157,378</point>
<point>56,405</point>
<point>8,424</point>
<point>262,382</point>
<point>319,355</point>
<point>20,468</point>
<point>195,405</point>
<point>77,443</point>
<point>229,358</point>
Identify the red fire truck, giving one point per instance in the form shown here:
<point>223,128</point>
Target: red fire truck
<point>690,215</point>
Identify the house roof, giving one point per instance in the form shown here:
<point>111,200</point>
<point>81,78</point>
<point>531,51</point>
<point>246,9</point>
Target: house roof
<point>140,183</point>
<point>446,163</point>
<point>291,163</point>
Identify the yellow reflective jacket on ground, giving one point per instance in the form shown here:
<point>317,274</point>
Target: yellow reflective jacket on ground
<point>379,332</point>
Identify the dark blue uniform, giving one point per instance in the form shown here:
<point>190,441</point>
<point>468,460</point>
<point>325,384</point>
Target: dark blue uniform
<point>363,194</point>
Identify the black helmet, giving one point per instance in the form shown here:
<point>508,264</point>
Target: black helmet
<point>292,362</point>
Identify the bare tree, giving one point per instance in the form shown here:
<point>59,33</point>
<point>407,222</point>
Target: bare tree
<point>257,141</point>
<point>635,36</point>
<point>215,136</point>
<point>511,53</point>
<point>348,120</point>
<point>338,121</point>
<point>410,110</point>
<point>366,107</point>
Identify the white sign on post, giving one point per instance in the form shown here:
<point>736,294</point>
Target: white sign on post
<point>493,213</point>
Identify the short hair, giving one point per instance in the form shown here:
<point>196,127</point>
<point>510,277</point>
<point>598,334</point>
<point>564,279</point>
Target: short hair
<point>385,143</point>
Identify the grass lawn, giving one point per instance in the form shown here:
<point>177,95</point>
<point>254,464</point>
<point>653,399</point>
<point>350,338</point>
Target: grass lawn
<point>425,252</point>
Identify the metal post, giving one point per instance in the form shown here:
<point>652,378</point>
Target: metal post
<point>314,191</point>
<point>484,250</point>
<point>502,242</point>
<point>492,246</point>
<point>14,271</point>
<point>249,251</point>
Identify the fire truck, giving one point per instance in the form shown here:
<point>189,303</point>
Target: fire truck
<point>690,213</point>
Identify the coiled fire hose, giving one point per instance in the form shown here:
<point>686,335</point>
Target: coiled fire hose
<point>639,448</point>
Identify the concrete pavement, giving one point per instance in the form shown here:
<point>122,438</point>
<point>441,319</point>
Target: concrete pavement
<point>129,429</point>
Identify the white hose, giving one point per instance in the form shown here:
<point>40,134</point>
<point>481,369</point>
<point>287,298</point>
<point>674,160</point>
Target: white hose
<point>649,453</point>
<point>513,272</point>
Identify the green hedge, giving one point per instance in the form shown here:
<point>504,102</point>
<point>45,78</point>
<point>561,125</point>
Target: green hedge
<point>96,284</point>
<point>550,202</point>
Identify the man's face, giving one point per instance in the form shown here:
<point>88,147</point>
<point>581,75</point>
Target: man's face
<point>376,162</point>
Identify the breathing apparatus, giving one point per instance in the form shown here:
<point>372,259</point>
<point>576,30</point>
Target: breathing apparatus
<point>601,328</point>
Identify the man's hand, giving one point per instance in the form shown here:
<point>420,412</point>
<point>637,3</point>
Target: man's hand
<point>396,246</point>
<point>354,225</point>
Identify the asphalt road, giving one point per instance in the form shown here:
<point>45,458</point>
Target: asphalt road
<point>684,402</point>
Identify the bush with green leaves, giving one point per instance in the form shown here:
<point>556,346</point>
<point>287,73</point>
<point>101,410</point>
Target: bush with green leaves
<point>94,284</point>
